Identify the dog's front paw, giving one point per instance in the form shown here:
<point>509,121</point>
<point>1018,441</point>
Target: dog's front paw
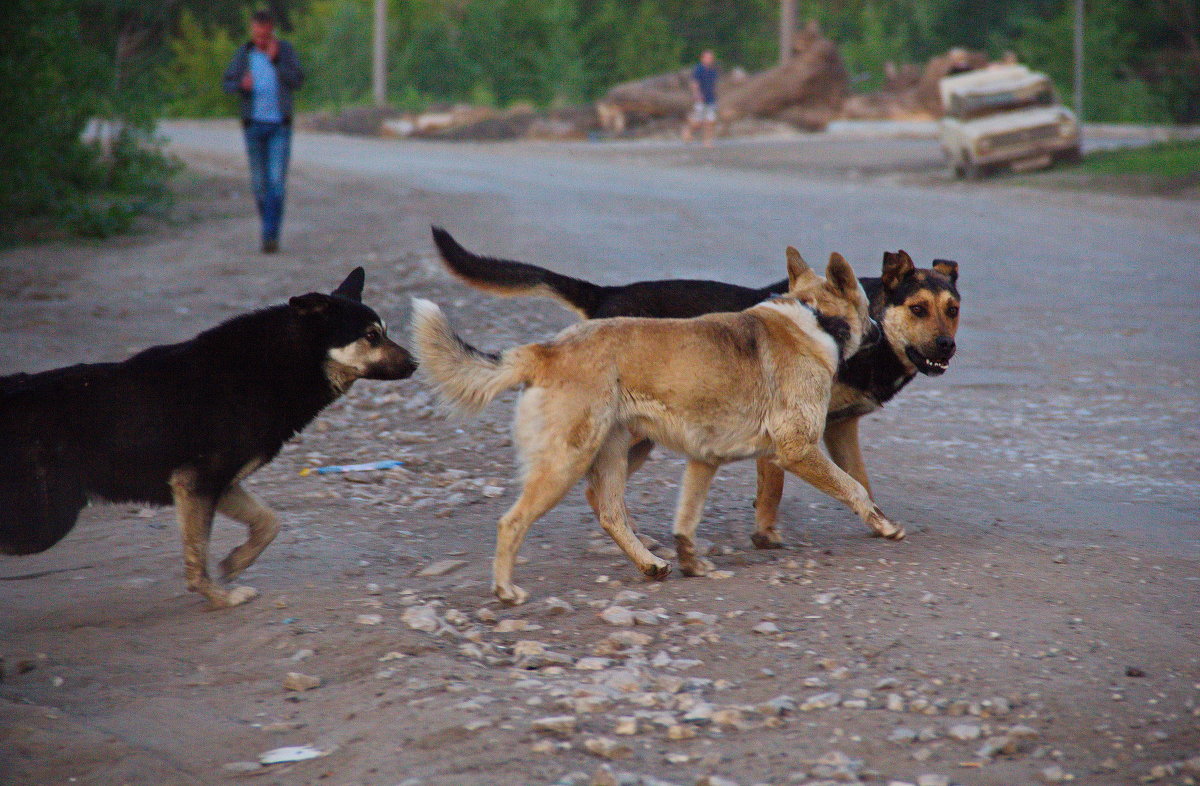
<point>689,563</point>
<point>766,540</point>
<point>234,596</point>
<point>657,570</point>
<point>511,595</point>
<point>883,527</point>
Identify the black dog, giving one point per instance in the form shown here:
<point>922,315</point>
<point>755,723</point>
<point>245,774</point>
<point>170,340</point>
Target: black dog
<point>184,424</point>
<point>918,310</point>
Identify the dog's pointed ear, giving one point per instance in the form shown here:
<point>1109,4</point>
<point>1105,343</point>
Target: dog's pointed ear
<point>310,305</point>
<point>840,275</point>
<point>797,269</point>
<point>948,268</point>
<point>896,268</point>
<point>352,287</point>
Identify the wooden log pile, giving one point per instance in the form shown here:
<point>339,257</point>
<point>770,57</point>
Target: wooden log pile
<point>807,91</point>
<point>910,92</point>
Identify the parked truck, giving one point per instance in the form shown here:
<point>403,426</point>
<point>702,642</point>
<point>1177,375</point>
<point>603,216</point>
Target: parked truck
<point>1004,116</point>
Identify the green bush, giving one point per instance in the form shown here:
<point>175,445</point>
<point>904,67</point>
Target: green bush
<point>192,78</point>
<point>1112,90</point>
<point>522,50</point>
<point>52,82</point>
<point>334,43</point>
<point>432,62</point>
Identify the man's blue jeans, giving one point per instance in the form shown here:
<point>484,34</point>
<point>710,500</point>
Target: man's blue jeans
<point>269,146</point>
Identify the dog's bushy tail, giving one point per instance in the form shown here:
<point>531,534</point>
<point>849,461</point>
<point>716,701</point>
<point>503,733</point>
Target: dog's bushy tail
<point>506,277</point>
<point>466,379</point>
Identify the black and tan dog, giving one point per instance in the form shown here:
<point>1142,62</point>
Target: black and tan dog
<point>918,309</point>
<point>749,384</point>
<point>184,424</point>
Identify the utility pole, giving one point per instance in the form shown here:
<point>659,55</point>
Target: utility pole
<point>787,28</point>
<point>1079,60</point>
<point>379,72</point>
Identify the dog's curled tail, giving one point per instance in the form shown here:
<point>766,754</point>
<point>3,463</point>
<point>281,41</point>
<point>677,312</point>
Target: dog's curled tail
<point>507,278</point>
<point>466,379</point>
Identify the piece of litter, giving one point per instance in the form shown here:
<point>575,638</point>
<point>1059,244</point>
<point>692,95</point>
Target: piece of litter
<point>290,754</point>
<point>442,567</point>
<point>389,464</point>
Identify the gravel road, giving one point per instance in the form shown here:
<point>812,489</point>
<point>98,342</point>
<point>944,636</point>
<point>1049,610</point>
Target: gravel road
<point>1039,624</point>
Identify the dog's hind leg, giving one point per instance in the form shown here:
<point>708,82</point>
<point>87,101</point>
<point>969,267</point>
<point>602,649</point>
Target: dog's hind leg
<point>607,478</point>
<point>841,438</point>
<point>638,453</point>
<point>635,458</point>
<point>766,505</point>
<point>545,485</point>
<point>195,510</point>
<point>261,523</point>
<point>692,492</point>
<point>813,466</point>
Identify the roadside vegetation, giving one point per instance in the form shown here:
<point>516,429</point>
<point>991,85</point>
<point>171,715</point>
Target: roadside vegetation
<point>1165,169</point>
<point>1165,159</point>
<point>127,63</point>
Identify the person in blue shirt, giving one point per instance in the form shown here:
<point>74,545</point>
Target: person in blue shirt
<point>704,94</point>
<point>265,72</point>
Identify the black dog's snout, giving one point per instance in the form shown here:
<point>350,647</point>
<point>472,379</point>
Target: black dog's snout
<point>945,345</point>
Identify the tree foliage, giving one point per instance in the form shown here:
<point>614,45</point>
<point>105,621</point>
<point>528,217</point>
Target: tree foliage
<point>192,78</point>
<point>66,61</point>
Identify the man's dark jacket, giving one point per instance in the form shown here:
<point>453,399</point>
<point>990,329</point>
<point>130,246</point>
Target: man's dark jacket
<point>287,67</point>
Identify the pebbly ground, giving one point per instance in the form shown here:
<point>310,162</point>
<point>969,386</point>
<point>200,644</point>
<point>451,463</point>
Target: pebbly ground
<point>1020,635</point>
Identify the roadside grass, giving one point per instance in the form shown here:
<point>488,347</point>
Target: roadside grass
<point>1163,159</point>
<point>1167,169</point>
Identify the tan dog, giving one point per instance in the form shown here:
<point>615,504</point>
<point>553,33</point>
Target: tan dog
<point>716,388</point>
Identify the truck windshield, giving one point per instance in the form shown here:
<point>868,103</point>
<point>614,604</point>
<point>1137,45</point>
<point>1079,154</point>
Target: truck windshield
<point>981,102</point>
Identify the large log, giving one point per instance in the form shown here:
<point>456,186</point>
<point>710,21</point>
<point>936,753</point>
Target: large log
<point>661,95</point>
<point>910,92</point>
<point>811,84</point>
<point>654,99</point>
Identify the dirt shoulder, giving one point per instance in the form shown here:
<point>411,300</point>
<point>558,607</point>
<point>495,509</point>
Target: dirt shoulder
<point>996,646</point>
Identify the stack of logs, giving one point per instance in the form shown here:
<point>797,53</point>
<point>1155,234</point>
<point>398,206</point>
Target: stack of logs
<point>808,91</point>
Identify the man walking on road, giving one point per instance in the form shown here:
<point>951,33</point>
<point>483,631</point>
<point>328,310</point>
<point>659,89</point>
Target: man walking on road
<point>704,93</point>
<point>265,72</point>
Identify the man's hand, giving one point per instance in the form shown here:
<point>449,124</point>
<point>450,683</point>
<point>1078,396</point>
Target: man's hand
<point>272,50</point>
<point>247,82</point>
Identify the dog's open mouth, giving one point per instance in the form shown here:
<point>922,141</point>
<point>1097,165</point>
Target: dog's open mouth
<point>926,365</point>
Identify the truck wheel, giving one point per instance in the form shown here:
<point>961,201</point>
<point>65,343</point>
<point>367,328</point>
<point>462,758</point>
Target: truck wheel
<point>1072,156</point>
<point>973,171</point>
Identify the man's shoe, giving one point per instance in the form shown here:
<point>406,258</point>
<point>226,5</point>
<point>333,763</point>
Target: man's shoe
<point>270,246</point>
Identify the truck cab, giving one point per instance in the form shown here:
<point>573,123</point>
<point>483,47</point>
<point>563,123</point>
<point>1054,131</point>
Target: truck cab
<point>1004,116</point>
